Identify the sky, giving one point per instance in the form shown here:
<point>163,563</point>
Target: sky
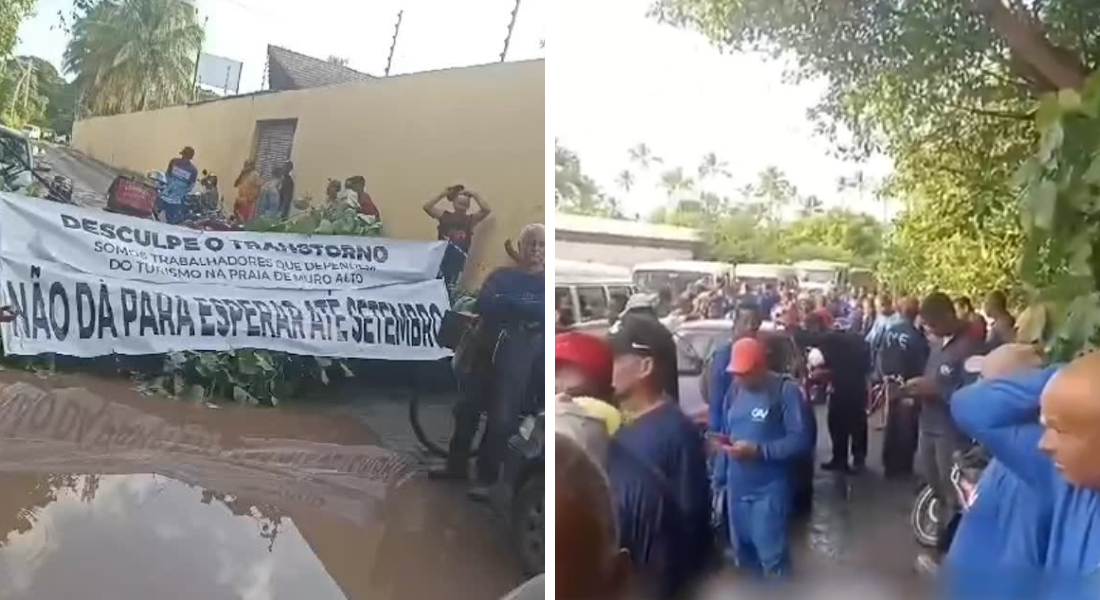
<point>620,78</point>
<point>435,34</point>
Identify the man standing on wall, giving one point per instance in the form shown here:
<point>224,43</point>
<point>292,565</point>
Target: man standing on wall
<point>456,227</point>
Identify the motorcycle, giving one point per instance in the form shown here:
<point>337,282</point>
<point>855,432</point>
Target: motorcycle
<point>819,385</point>
<point>965,472</point>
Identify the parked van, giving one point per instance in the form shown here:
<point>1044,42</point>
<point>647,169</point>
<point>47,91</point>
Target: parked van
<point>585,293</point>
<point>758,275</point>
<point>677,275</point>
<point>32,132</point>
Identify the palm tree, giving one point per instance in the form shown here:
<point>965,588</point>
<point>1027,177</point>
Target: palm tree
<point>773,187</point>
<point>643,156</point>
<point>809,205</point>
<point>857,182</point>
<point>712,166</point>
<point>131,55</point>
<point>625,180</point>
<point>674,181</point>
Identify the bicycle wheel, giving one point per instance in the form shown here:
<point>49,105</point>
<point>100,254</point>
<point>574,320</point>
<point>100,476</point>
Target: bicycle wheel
<point>433,425</point>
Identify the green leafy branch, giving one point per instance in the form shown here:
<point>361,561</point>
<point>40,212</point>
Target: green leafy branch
<point>255,377</point>
<point>1059,200</point>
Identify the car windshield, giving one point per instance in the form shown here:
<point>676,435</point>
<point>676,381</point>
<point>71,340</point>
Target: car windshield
<point>694,348</point>
<point>655,281</point>
<point>817,276</point>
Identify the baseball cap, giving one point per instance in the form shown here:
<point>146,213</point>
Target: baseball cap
<point>747,356</point>
<point>636,335</point>
<point>588,353</point>
<point>637,301</point>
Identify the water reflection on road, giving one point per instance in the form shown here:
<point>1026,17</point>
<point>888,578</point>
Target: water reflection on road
<point>133,498</point>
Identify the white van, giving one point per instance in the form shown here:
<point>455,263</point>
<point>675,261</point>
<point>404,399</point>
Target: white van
<point>758,275</point>
<point>679,274</point>
<point>822,275</point>
<point>585,294</point>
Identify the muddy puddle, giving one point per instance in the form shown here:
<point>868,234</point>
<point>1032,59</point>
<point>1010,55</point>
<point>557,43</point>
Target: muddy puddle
<point>105,494</point>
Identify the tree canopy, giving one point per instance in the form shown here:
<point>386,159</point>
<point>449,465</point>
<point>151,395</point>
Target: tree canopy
<point>131,55</point>
<point>935,85</point>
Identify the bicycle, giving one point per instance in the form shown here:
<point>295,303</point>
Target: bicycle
<point>457,332</point>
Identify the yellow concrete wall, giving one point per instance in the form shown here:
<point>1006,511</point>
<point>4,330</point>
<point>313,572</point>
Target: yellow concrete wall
<point>410,136</point>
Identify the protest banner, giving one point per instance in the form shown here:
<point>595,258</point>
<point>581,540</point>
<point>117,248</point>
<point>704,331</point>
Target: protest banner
<point>70,312</point>
<point>124,247</point>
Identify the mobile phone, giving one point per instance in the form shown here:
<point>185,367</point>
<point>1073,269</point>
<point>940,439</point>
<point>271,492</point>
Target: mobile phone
<point>720,438</point>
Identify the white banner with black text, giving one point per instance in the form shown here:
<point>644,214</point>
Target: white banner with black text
<point>66,311</point>
<point>124,247</point>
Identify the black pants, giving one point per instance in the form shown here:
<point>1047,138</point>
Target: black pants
<point>899,446</point>
<point>502,393</point>
<point>847,421</point>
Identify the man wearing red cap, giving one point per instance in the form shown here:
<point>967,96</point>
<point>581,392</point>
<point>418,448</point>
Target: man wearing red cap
<point>582,366</point>
<point>763,430</point>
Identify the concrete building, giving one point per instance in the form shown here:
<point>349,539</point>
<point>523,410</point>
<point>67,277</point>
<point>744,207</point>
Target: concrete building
<point>619,242</point>
<point>410,136</point>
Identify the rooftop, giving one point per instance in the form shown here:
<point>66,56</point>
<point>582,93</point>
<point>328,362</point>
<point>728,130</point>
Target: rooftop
<point>622,228</point>
<point>290,70</point>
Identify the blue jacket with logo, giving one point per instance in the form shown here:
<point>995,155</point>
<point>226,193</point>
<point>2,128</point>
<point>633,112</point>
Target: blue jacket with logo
<point>998,414</point>
<point>775,421</point>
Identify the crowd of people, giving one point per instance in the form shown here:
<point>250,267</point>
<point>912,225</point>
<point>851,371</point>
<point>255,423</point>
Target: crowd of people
<point>666,502</point>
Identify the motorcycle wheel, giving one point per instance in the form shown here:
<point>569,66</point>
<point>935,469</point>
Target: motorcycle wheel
<point>529,524</point>
<point>924,518</point>
<point>433,444</point>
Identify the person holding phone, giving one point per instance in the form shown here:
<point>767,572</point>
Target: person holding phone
<point>456,226</point>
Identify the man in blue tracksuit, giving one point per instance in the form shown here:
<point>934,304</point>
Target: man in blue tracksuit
<point>763,430</point>
<point>998,412</point>
<point>1000,546</point>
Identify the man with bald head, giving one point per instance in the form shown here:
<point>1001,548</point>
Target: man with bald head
<point>588,562</point>
<point>1065,401</point>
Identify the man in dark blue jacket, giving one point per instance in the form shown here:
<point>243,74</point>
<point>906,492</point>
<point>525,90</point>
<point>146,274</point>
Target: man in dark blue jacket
<point>762,431</point>
<point>657,465</point>
<point>940,438</point>
<point>997,412</point>
<point>903,355</point>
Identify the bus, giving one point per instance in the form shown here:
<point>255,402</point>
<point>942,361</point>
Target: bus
<point>677,275</point>
<point>822,275</point>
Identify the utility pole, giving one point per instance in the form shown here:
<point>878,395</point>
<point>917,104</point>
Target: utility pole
<point>393,43</point>
<point>198,57</point>
<point>511,26</point>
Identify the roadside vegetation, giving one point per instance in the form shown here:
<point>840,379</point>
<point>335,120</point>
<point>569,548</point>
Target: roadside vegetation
<point>998,172</point>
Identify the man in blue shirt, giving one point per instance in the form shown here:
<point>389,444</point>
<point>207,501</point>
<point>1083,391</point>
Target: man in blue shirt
<point>996,412</point>
<point>903,355</point>
<point>762,432</point>
<point>885,319</point>
<point>657,465</point>
<point>1001,543</point>
<point>181,176</point>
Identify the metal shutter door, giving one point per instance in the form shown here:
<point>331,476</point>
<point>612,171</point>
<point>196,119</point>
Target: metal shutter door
<point>276,139</point>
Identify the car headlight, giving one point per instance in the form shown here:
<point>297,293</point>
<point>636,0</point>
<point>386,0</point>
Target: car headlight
<point>527,428</point>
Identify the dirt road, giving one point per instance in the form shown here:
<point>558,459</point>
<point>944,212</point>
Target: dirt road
<point>90,178</point>
<point>108,495</point>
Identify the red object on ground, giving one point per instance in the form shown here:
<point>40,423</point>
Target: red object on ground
<point>130,196</point>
